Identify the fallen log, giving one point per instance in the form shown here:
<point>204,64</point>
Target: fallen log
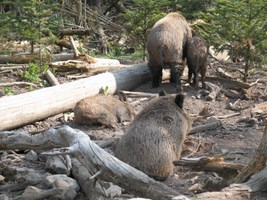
<point>33,106</point>
<point>91,188</point>
<point>80,32</point>
<point>100,65</point>
<point>96,160</point>
<point>222,73</point>
<point>74,47</point>
<point>228,116</point>
<point>211,164</point>
<point>204,127</point>
<point>12,67</point>
<point>234,107</point>
<point>63,43</point>
<point>26,58</point>
<point>6,71</point>
<point>229,84</point>
<point>214,91</point>
<point>139,94</point>
<point>18,83</point>
<point>52,80</point>
<point>232,94</point>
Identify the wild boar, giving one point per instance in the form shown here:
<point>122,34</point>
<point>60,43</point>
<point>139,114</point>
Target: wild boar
<point>103,110</point>
<point>155,138</point>
<point>166,45</point>
<point>197,54</point>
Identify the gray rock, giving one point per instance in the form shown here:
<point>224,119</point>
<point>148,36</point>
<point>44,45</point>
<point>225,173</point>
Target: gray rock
<point>69,186</point>
<point>31,156</point>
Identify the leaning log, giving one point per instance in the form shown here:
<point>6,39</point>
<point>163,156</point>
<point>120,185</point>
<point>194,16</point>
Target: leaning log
<point>96,160</point>
<point>27,108</point>
<point>254,188</point>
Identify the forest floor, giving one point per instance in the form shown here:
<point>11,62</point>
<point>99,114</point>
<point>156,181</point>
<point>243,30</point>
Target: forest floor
<point>234,141</point>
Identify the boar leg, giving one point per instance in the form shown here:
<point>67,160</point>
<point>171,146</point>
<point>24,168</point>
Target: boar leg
<point>203,76</point>
<point>156,76</point>
<point>190,73</point>
<point>176,73</point>
<point>195,81</point>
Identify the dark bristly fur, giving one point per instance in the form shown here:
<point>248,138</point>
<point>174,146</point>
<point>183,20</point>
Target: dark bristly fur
<point>154,139</point>
<point>197,54</point>
<point>166,44</point>
<point>179,100</point>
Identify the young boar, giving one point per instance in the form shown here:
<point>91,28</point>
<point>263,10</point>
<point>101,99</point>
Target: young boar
<point>155,138</point>
<point>104,110</point>
<point>166,45</point>
<point>197,54</point>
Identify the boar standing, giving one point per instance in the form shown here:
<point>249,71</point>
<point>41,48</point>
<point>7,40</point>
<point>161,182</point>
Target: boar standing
<point>166,45</point>
<point>197,54</point>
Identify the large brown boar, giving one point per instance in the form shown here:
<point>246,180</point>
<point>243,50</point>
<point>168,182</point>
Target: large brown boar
<point>166,45</point>
<point>103,110</point>
<point>197,54</point>
<point>154,139</point>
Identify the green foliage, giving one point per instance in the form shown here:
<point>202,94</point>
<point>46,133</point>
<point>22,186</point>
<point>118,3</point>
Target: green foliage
<point>34,72</point>
<point>117,50</point>
<point>8,91</point>
<point>192,8</point>
<point>30,20</point>
<point>103,91</point>
<point>237,26</point>
<point>141,18</point>
<point>30,88</point>
<point>106,90</point>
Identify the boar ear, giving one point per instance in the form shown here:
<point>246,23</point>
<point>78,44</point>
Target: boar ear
<point>162,93</point>
<point>179,100</point>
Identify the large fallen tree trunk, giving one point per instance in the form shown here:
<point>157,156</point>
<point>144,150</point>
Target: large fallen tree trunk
<point>96,160</point>
<point>29,107</point>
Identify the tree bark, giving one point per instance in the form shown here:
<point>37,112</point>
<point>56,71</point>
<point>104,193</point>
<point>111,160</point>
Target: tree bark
<point>46,102</point>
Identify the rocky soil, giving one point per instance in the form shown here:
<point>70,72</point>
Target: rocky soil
<point>234,140</point>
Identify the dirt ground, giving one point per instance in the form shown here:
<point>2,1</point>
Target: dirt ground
<point>234,141</point>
